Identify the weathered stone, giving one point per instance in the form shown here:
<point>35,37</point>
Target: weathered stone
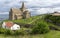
<point>21,13</point>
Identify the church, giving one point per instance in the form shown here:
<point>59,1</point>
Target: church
<point>21,13</point>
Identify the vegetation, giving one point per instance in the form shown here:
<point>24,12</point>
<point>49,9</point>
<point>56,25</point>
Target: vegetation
<point>53,19</point>
<point>24,21</point>
<point>40,27</point>
<point>51,34</point>
<point>36,21</point>
<point>2,30</point>
<point>22,31</point>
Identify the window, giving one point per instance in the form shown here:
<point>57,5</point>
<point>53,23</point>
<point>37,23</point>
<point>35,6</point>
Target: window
<point>17,27</point>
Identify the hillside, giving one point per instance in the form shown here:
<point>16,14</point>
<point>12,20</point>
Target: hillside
<point>54,30</point>
<point>40,18</point>
<point>26,21</point>
<point>55,20</point>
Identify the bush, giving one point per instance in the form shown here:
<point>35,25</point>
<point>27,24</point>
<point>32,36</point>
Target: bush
<point>40,28</point>
<point>22,31</point>
<point>17,32</point>
<point>9,32</point>
<point>2,30</point>
<point>28,25</point>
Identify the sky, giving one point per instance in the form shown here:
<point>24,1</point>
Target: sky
<point>34,6</point>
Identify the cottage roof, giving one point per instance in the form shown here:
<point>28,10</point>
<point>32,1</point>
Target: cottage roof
<point>9,24</point>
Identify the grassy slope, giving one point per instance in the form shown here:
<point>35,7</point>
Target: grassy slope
<point>55,21</point>
<point>25,21</point>
<point>51,34</point>
<point>33,19</point>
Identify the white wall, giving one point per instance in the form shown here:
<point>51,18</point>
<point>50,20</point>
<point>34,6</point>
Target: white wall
<point>15,27</point>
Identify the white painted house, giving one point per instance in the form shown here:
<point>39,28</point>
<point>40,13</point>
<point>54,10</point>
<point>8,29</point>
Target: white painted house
<point>15,27</point>
<point>10,25</point>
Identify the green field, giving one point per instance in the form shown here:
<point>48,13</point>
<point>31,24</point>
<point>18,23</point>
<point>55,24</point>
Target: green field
<point>51,34</point>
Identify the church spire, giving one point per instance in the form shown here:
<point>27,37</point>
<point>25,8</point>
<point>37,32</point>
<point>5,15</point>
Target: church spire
<point>23,6</point>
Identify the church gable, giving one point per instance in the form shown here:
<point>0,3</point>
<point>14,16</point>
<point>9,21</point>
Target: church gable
<point>16,11</point>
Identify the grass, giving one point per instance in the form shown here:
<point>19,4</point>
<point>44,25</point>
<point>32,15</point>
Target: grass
<point>51,34</point>
<point>24,21</point>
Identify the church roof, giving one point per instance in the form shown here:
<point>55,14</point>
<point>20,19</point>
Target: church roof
<point>17,11</point>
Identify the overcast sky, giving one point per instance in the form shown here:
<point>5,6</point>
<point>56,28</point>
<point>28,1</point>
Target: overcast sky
<point>35,6</point>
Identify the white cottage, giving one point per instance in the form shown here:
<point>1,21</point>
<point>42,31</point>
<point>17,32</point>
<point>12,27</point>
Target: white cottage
<point>10,25</point>
<point>15,27</point>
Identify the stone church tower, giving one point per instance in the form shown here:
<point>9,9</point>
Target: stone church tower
<point>21,13</point>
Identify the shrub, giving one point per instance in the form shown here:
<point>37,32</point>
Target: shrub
<point>17,32</point>
<point>28,25</point>
<point>53,19</point>
<point>22,31</point>
<point>40,28</point>
<point>9,32</point>
<point>2,30</point>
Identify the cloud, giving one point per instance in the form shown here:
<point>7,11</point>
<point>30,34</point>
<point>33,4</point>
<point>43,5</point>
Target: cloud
<point>35,6</point>
<point>4,13</point>
<point>42,2</point>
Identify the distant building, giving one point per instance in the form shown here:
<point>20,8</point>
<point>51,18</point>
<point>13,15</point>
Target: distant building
<point>10,25</point>
<point>21,13</point>
<point>56,14</point>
